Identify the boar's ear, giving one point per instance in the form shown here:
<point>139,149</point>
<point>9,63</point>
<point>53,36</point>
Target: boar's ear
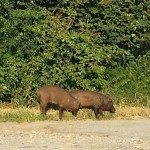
<point>109,98</point>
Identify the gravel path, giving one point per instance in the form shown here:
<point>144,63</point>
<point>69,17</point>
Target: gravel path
<point>76,135</point>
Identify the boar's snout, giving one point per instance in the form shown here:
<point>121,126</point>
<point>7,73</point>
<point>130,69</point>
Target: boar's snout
<point>112,109</point>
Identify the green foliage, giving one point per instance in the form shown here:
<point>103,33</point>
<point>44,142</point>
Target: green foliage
<point>93,45</point>
<point>132,82</point>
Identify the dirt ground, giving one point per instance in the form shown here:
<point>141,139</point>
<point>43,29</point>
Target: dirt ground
<point>76,135</point>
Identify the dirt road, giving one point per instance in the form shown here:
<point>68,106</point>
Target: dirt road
<point>76,135</point>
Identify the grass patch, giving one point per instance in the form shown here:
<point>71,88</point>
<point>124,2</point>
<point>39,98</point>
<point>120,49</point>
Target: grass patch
<point>33,114</point>
<point>20,115</point>
<point>132,112</point>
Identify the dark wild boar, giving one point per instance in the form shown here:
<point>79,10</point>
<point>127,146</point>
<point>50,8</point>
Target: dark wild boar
<point>96,101</point>
<point>57,97</point>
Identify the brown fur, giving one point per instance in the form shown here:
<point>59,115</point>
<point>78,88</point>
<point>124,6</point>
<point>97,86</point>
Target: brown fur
<point>57,96</point>
<point>93,100</point>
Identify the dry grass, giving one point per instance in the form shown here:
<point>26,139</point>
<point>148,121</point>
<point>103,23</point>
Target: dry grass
<point>21,114</point>
<point>131,112</point>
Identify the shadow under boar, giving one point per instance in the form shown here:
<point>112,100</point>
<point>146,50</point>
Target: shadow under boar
<point>57,97</point>
<point>96,101</point>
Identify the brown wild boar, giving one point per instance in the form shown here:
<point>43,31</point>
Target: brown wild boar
<point>96,101</point>
<point>59,97</point>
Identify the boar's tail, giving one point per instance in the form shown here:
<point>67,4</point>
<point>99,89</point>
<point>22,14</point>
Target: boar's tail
<point>38,96</point>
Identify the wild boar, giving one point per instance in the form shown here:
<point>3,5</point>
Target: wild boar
<point>98,102</point>
<point>58,97</point>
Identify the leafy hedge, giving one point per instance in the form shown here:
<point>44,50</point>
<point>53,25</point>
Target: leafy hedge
<point>96,45</point>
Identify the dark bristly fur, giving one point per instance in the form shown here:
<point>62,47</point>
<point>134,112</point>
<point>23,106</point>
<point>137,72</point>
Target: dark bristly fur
<point>96,101</point>
<point>57,97</point>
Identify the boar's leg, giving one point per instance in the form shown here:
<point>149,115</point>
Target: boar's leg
<point>43,108</point>
<point>60,112</point>
<point>96,112</point>
<point>74,113</point>
<point>100,113</point>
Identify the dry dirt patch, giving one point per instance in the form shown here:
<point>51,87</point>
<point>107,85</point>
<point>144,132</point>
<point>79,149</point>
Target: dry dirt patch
<point>76,135</point>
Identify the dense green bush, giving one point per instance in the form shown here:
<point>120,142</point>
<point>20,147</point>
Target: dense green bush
<point>132,82</point>
<point>94,45</point>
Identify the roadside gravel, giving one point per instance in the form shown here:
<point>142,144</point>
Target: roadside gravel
<point>76,135</point>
